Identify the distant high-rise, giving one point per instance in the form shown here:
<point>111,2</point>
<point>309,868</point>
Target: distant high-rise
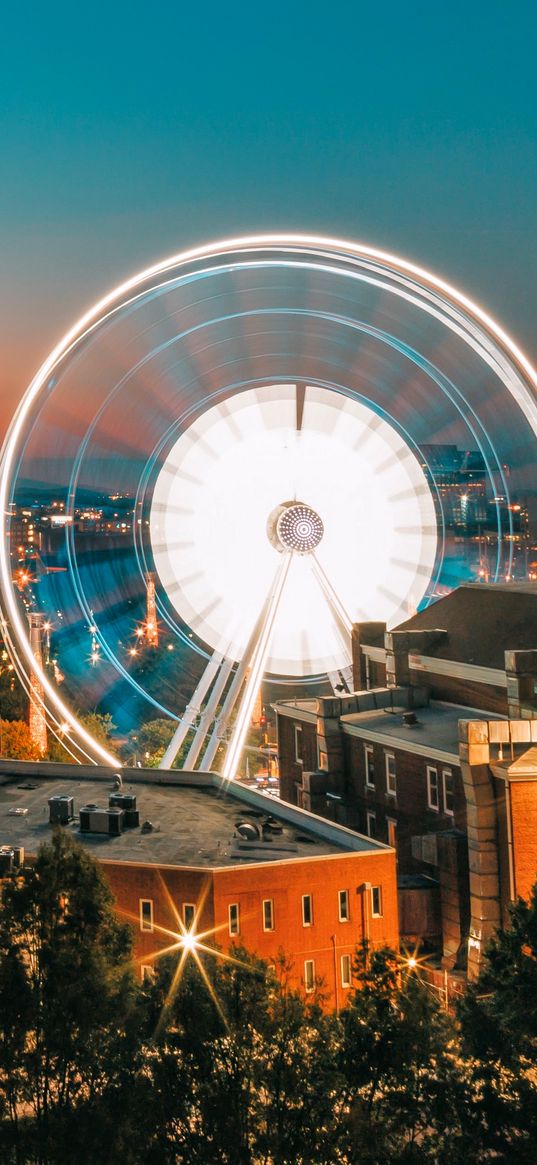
<point>38,723</point>
<point>151,611</point>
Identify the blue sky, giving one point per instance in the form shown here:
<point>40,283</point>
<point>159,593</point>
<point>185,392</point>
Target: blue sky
<point>129,131</point>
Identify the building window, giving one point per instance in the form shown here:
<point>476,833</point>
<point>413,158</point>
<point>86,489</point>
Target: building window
<point>298,744</point>
<point>371,824</point>
<point>369,762</point>
<point>346,971</point>
<point>233,918</point>
<point>189,914</point>
<point>147,973</point>
<point>307,910</point>
<point>343,905</point>
<point>391,825</point>
<point>391,777</point>
<point>376,902</point>
<point>309,975</point>
<point>268,914</point>
<point>433,791</point>
<point>323,760</point>
<point>449,796</point>
<point>146,914</point>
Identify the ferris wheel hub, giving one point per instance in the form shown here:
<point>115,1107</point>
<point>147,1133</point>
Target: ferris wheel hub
<point>294,526</point>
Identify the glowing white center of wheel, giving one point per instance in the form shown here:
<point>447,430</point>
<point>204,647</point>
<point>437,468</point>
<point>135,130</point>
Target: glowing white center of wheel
<point>376,541</point>
<point>294,526</point>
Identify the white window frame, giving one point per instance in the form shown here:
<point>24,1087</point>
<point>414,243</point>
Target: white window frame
<point>431,786</point>
<point>307,898</point>
<point>344,914</point>
<point>376,890</point>
<point>234,927</point>
<point>390,756</point>
<point>371,818</point>
<point>447,774</point>
<point>146,927</point>
<point>346,970</point>
<point>270,903</point>
<point>189,906</point>
<point>369,752</point>
<point>309,976</point>
<point>299,759</point>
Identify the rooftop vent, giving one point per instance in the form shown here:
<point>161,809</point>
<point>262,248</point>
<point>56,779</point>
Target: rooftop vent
<point>247,830</point>
<point>410,720</point>
<point>273,825</point>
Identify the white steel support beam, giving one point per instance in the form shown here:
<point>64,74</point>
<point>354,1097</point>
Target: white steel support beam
<point>192,711</point>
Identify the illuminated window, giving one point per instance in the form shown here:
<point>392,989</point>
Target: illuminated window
<point>343,905</point>
<point>268,914</point>
<point>298,744</point>
<point>369,766</point>
<point>391,826</point>
<point>346,971</point>
<point>376,902</point>
<point>147,973</point>
<point>307,910</point>
<point>433,791</point>
<point>146,914</point>
<point>309,975</point>
<point>233,918</point>
<point>391,776</point>
<point>449,795</point>
<point>189,914</point>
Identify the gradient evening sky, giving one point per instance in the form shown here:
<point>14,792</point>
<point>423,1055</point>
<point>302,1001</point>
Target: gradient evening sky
<point>130,131</point>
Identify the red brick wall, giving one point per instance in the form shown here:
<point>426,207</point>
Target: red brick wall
<point>290,770</point>
<point>169,890</point>
<point>284,883</point>
<point>524,827</point>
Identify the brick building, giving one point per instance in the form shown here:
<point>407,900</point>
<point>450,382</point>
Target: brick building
<point>248,870</point>
<point>451,781</point>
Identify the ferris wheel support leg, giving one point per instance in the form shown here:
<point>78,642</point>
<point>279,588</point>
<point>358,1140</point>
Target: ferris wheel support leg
<point>207,715</point>
<point>340,616</point>
<point>191,711</point>
<point>256,670</point>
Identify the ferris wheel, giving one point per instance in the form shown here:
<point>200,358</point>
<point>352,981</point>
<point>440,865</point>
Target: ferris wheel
<point>235,456</point>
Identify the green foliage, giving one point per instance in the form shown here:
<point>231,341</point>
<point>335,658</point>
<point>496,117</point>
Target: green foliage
<point>499,1029</point>
<point>65,990</point>
<point>100,725</point>
<point>148,743</point>
<point>220,1062</point>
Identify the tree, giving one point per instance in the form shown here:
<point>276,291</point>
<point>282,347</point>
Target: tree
<point>16,741</point>
<point>100,725</point>
<point>499,1027</point>
<point>149,742</point>
<point>66,993</point>
<point>240,1070</point>
<point>405,1097</point>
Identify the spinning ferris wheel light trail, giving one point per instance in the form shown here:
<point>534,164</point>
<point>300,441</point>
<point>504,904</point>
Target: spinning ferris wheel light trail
<point>248,446</point>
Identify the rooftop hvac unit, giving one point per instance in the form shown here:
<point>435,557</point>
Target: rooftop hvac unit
<point>108,821</point>
<point>248,830</point>
<point>7,861</point>
<point>122,800</point>
<point>61,809</point>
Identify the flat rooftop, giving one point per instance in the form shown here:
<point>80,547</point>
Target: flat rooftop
<point>436,730</point>
<point>193,815</point>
